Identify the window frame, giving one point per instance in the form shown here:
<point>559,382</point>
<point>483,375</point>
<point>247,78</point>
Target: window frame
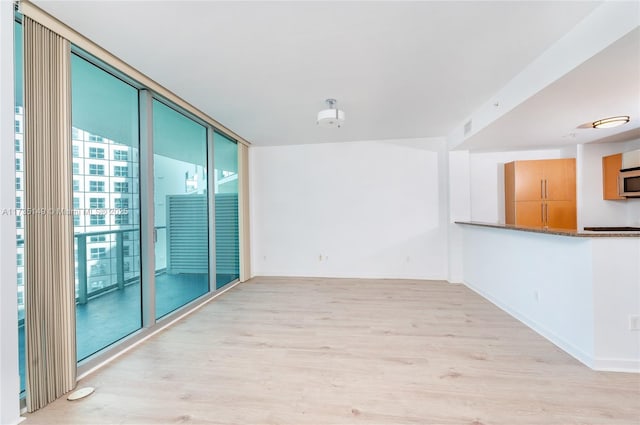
<point>95,184</point>
<point>96,152</point>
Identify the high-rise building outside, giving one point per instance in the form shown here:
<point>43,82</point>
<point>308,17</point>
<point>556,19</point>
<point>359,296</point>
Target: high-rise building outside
<point>106,210</point>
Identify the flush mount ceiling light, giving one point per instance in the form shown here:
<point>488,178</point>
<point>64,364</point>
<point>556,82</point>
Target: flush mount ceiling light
<point>332,117</point>
<point>611,122</point>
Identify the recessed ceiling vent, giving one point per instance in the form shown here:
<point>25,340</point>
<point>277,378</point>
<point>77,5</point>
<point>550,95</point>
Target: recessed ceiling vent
<point>467,127</point>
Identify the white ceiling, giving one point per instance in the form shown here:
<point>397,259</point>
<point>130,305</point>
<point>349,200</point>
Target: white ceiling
<point>606,85</point>
<point>264,69</point>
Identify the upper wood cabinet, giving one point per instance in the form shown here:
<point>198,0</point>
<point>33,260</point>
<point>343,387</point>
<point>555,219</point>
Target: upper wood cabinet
<point>611,166</point>
<point>541,193</point>
<point>551,179</point>
<point>528,180</point>
<point>560,179</point>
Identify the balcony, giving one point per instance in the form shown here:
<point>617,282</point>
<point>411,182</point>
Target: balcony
<point>108,291</point>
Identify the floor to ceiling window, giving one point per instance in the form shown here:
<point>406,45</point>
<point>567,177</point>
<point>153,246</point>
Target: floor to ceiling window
<point>107,210</point>
<point>19,148</point>
<point>106,206</point>
<point>181,209</point>
<point>226,202</point>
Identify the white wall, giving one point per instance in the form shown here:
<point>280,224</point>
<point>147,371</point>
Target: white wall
<point>9,380</point>
<point>359,209</point>
<point>459,210</point>
<point>486,177</point>
<point>616,277</point>
<point>543,280</point>
<point>633,213</point>
<point>578,292</point>
<point>593,210</point>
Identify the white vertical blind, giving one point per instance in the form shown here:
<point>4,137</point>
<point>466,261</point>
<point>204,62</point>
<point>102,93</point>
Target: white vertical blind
<point>187,234</point>
<point>227,252</point>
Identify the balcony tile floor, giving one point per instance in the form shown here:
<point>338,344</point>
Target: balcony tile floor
<point>113,315</point>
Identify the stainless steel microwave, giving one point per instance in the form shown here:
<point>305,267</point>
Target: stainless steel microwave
<point>629,182</point>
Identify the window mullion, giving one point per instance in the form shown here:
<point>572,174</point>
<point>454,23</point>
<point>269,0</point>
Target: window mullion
<point>147,210</point>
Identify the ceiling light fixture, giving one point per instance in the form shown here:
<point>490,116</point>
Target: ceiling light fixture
<point>332,117</point>
<point>610,122</point>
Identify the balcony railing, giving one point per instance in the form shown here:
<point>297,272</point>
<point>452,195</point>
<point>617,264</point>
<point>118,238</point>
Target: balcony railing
<point>114,254</point>
<point>108,260</point>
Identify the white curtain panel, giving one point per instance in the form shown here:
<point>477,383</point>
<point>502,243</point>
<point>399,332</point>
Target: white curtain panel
<point>243,213</point>
<point>49,257</point>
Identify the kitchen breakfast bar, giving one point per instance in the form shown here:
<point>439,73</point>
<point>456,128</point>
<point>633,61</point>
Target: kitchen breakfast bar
<point>580,290</point>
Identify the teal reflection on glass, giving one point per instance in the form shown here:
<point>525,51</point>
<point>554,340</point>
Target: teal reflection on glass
<point>226,202</point>
<point>106,194</point>
<point>181,209</point>
<point>19,157</point>
<point>18,63</point>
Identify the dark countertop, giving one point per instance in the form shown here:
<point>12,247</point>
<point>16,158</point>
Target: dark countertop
<point>613,229</point>
<point>561,232</point>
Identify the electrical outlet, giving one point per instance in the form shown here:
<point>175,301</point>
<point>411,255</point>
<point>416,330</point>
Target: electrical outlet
<point>634,322</point>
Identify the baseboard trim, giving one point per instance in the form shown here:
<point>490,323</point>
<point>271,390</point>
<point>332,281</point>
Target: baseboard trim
<point>351,276</point>
<point>595,363</point>
<point>560,342</point>
<point>616,365</point>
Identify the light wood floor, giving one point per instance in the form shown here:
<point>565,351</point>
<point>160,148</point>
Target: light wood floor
<point>329,351</point>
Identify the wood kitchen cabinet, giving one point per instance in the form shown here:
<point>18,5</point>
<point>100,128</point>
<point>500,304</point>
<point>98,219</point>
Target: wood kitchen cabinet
<point>528,213</point>
<point>560,180</point>
<point>561,214</point>
<point>611,166</point>
<point>541,193</point>
<point>529,184</point>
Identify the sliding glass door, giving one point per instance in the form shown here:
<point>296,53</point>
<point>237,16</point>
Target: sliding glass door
<point>181,209</point>
<point>107,210</point>
<point>106,207</point>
